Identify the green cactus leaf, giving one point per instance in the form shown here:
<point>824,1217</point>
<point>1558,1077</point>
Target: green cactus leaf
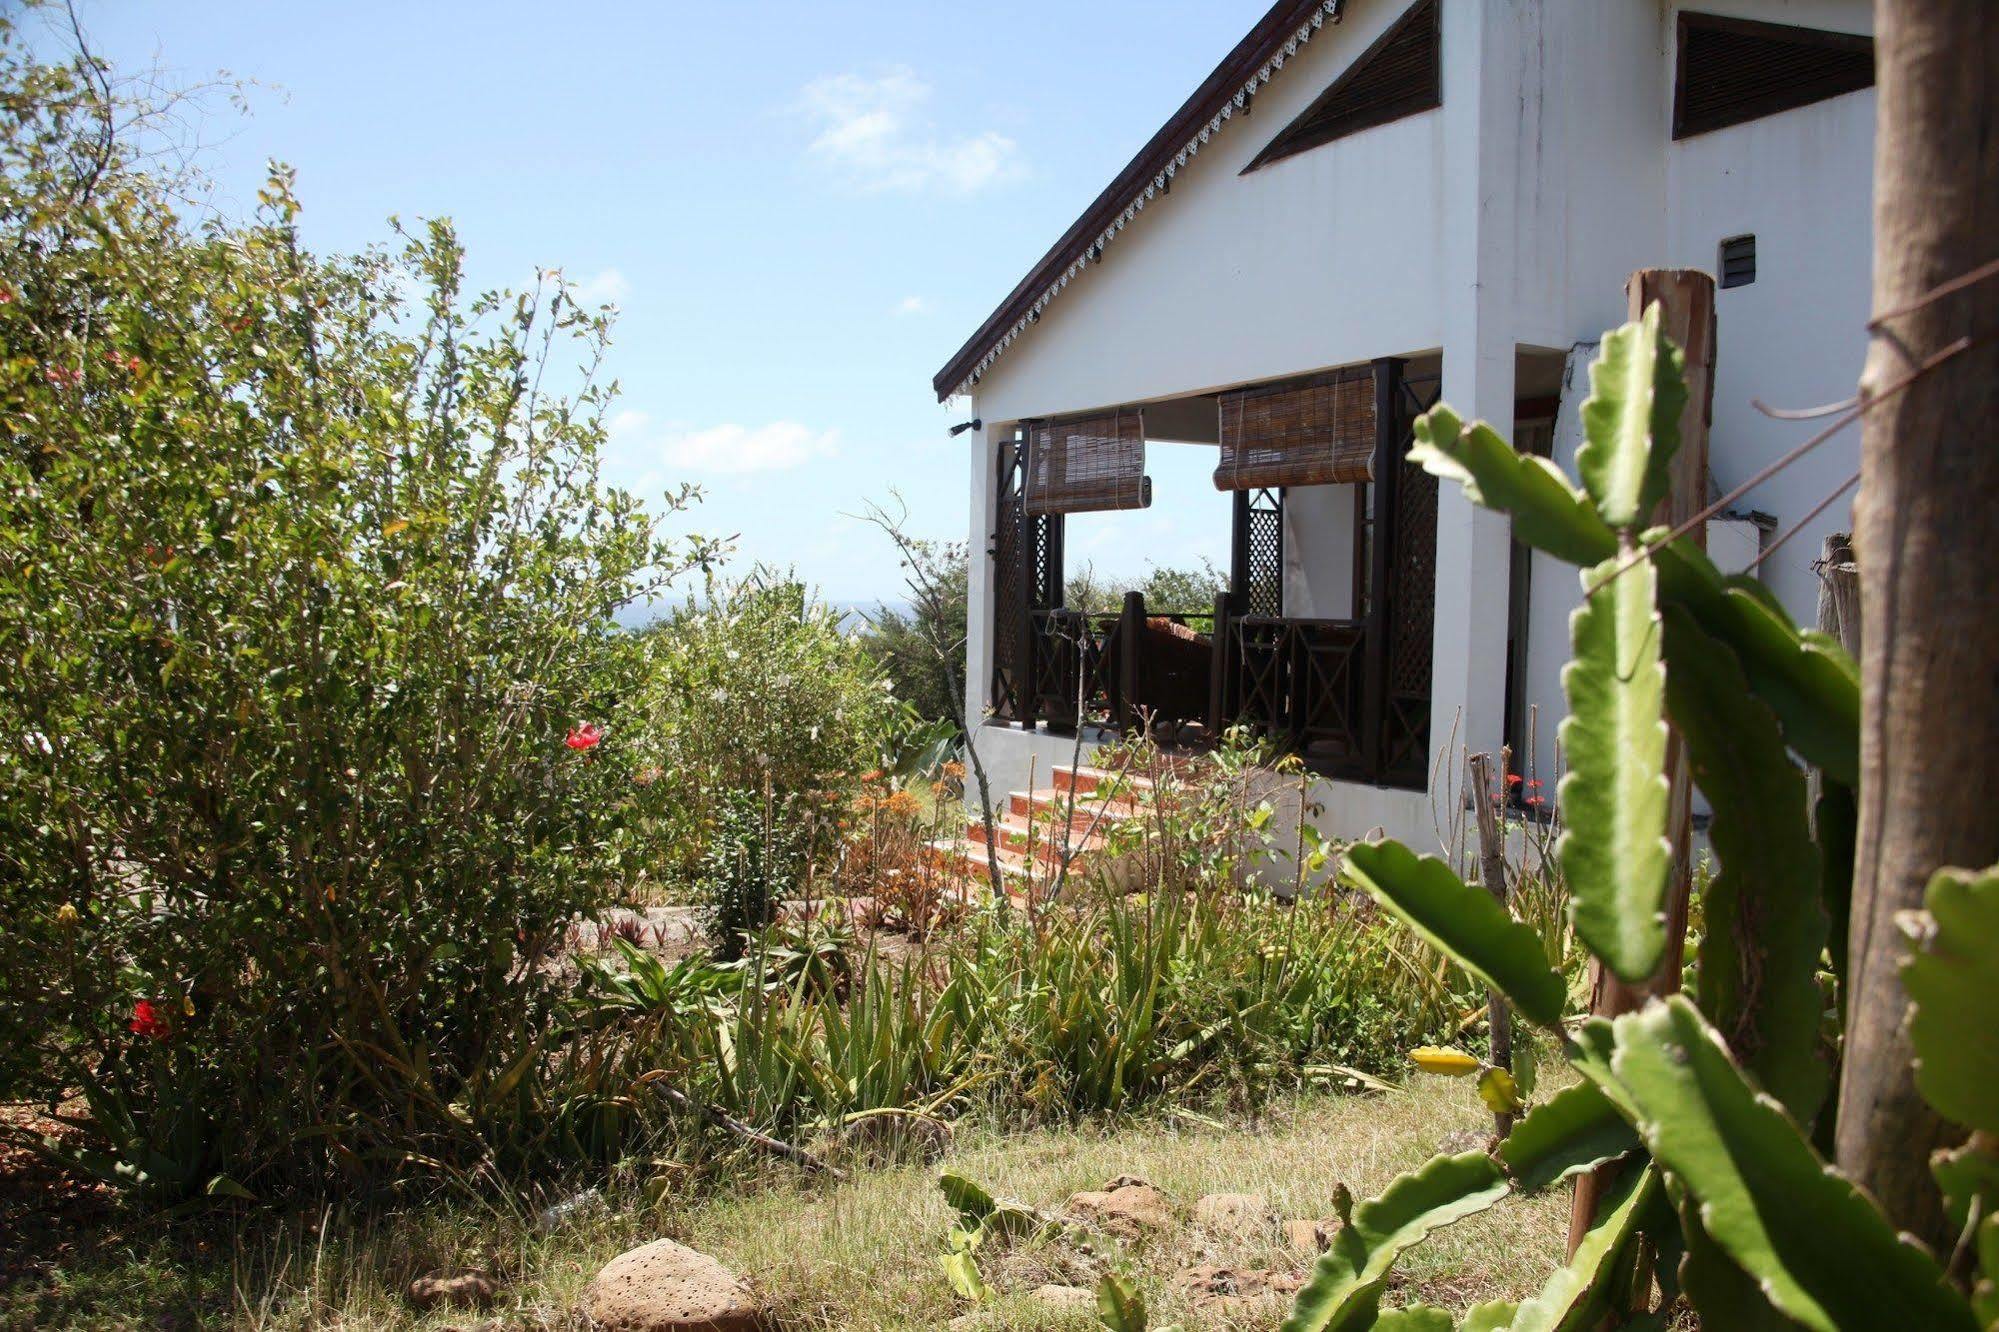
<point>1344,1293</point>
<point>1808,680</point>
<point>1723,1292</point>
<point>961,1269</point>
<point>967,1199</point>
<point>1765,912</point>
<point>1953,983</point>
<point>1985,1291</point>
<point>1493,1316</point>
<point>1119,1305</point>
<point>1548,512</point>
<point>1414,1318</point>
<point>1614,852</point>
<point>1499,1091</point>
<point>1575,1296</point>
<point>1966,1173</point>
<point>1575,1130</point>
<point>1463,922</point>
<point>1631,421</point>
<point>1820,1250</point>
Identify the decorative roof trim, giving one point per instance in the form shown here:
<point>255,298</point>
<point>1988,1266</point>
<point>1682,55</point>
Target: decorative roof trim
<point>1274,40</point>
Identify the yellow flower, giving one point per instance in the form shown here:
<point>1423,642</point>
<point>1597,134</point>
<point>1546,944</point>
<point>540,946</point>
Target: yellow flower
<point>1450,1063</point>
<point>67,916</point>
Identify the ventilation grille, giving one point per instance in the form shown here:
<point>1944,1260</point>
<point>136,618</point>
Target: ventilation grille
<point>1738,261</point>
<point>1734,70</point>
<point>1398,76</point>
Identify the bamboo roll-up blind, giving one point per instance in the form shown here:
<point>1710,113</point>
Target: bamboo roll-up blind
<point>1317,433</point>
<point>1088,465</point>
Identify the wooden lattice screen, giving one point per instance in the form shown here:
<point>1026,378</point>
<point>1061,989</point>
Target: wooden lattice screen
<point>1313,433</point>
<point>1088,465</point>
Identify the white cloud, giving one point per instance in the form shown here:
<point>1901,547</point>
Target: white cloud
<point>874,136</point>
<point>776,447</point>
<point>912,305</point>
<point>607,287</point>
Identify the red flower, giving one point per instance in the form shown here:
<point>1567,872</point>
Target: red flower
<point>1535,800</point>
<point>586,736</point>
<point>148,1022</point>
<point>1534,785</point>
<point>63,376</point>
<point>1513,779</point>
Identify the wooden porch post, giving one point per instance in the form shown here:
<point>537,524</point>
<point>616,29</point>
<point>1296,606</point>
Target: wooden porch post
<point>1380,545</point>
<point>1130,634</point>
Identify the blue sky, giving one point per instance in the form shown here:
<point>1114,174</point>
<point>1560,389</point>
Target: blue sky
<point>800,209</point>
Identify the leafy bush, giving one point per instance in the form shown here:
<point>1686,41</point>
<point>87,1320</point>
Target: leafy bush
<point>755,859</point>
<point>306,575</point>
<point>753,686</point>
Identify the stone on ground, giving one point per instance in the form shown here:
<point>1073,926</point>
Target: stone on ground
<point>1309,1237</point>
<point>1234,1213</point>
<point>454,1288</point>
<point>1127,1207</point>
<point>1232,1290</point>
<point>1063,1297</point>
<point>668,1287</point>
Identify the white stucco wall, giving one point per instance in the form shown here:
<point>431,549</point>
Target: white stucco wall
<point>1320,259</point>
<point>1508,218</point>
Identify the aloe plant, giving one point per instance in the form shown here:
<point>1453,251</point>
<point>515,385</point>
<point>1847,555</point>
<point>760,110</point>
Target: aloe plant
<point>1704,1108</point>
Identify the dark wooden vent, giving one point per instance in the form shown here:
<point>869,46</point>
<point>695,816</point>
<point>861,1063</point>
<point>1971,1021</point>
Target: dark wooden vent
<point>1732,70</point>
<point>1398,76</point>
<point>1738,261</point>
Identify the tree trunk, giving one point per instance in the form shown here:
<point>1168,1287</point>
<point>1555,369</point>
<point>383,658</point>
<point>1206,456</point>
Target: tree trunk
<point>1929,593</point>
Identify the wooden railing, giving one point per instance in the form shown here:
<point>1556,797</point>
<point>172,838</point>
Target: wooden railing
<point>1123,668</point>
<point>1299,682</point>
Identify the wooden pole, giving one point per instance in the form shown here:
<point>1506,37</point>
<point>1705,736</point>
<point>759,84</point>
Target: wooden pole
<point>1929,709</point>
<point>1686,309</point>
<point>1486,795</point>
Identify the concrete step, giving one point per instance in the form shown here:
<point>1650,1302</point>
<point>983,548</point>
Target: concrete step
<point>1083,780</point>
<point>1013,833</point>
<point>1049,805</point>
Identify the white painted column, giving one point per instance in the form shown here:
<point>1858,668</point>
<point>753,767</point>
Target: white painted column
<point>1468,695</point>
<point>983,463</point>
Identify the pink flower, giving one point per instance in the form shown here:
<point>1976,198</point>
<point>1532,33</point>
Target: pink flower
<point>147,1021</point>
<point>586,736</point>
<point>1513,779</point>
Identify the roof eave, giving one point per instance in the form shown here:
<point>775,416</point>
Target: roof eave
<point>1224,91</point>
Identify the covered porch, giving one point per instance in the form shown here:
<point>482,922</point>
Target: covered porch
<point>1321,641</point>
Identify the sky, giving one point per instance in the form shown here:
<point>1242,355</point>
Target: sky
<point>800,211</point>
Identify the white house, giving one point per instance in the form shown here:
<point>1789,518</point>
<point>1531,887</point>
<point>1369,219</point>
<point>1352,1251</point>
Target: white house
<point>1371,204</point>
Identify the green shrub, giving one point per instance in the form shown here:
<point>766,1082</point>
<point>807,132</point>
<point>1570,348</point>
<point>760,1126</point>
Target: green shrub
<point>753,686</point>
<point>755,858</point>
<point>306,575</point>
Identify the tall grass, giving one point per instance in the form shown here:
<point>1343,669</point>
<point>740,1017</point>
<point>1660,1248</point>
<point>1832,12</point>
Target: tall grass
<point>1216,997</point>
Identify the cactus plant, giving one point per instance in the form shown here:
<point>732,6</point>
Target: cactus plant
<point>1707,1106</point>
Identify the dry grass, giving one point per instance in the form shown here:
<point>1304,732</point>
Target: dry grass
<point>857,1255</point>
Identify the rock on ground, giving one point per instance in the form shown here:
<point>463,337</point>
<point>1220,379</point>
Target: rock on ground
<point>1309,1237</point>
<point>455,1288</point>
<point>668,1287</point>
<point>1127,1207</point>
<point>1232,1290</point>
<point>1063,1297</point>
<point>1234,1213</point>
